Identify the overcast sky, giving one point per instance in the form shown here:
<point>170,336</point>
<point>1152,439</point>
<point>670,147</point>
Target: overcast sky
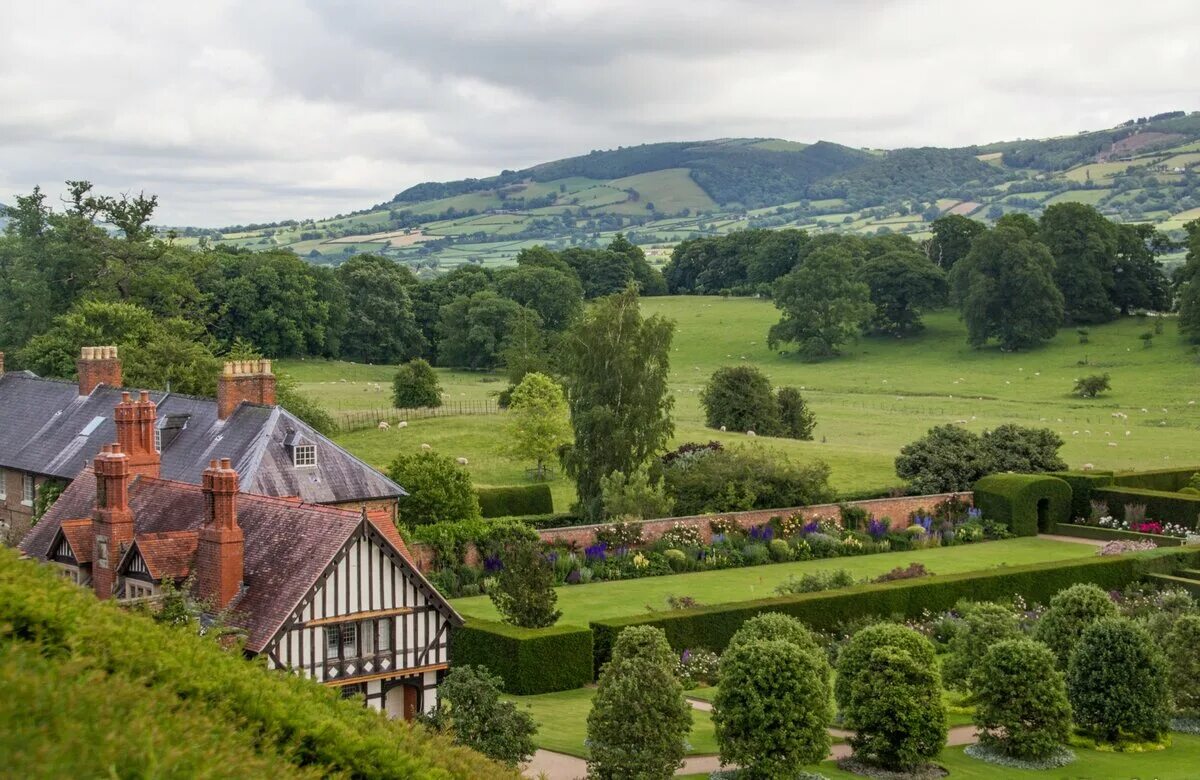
<point>236,111</point>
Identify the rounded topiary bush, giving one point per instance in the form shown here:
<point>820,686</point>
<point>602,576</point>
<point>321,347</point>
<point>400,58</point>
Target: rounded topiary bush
<point>776,625</point>
<point>1117,682</point>
<point>780,550</point>
<point>1071,611</point>
<point>894,707</point>
<point>982,625</point>
<point>676,559</point>
<point>639,719</point>
<point>1183,665</point>
<point>853,657</point>
<point>1021,700</point>
<point>772,708</point>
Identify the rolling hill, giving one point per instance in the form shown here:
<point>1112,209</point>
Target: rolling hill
<point>1145,170</point>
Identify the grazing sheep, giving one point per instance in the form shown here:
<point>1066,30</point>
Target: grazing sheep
<point>1112,444</point>
<point>426,447</point>
<point>1074,433</point>
<point>722,429</point>
<point>461,461</point>
<point>1128,433</point>
<point>383,425</point>
<point>751,433</point>
<point>402,424</point>
<point>1088,467</point>
<point>960,422</point>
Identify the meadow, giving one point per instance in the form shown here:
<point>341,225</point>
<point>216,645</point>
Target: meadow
<point>878,396</point>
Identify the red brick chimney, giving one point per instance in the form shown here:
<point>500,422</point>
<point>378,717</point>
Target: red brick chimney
<point>244,380</point>
<point>98,366</point>
<point>221,549</point>
<point>112,523</point>
<point>135,433</point>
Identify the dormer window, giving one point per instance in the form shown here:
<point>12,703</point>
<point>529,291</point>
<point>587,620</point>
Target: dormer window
<point>304,455</point>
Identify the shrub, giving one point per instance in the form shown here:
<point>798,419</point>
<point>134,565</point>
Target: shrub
<point>947,458</point>
<point>528,661</point>
<point>911,571</point>
<point>620,535</point>
<point>740,399</point>
<point>524,592</point>
<point>776,626</point>
<point>439,490</point>
<point>1023,450</point>
<point>515,500</point>
<point>1021,705</point>
<point>1183,664</point>
<point>1094,385</point>
<point>892,699</point>
<point>772,707</point>
<point>676,559</point>
<point>697,667</point>
<point>740,478</point>
<point>796,419</point>
<point>1017,501</point>
<point>634,496</point>
<point>780,550</point>
<point>415,386</point>
<point>815,581</point>
<point>1071,612</point>
<point>639,718</point>
<point>982,624</point>
<point>470,710</point>
<point>1117,682</point>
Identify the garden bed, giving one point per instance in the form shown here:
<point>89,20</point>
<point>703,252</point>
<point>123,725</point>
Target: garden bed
<point>1081,531</point>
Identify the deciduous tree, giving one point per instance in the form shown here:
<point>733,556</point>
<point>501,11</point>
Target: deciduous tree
<point>823,305</point>
<point>538,422</point>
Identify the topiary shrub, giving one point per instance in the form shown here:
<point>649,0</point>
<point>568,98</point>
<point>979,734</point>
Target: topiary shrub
<point>776,625</point>
<point>416,385</point>
<point>1071,611</point>
<point>894,706</point>
<point>1021,705</point>
<point>772,708</point>
<point>1117,683</point>
<point>1183,665</point>
<point>1026,503</point>
<point>639,718</point>
<point>515,500</point>
<point>853,657</point>
<point>982,625</point>
<point>528,660</point>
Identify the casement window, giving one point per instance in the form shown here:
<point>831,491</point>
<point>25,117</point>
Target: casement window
<point>138,590</point>
<point>304,455</point>
<point>361,639</point>
<point>358,691</point>
<point>158,440</point>
<point>341,641</point>
<point>28,489</point>
<point>3,484</point>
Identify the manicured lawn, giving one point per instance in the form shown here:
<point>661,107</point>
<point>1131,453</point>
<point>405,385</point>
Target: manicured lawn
<point>879,395</point>
<point>562,722</point>
<point>1178,762</point>
<point>583,603</point>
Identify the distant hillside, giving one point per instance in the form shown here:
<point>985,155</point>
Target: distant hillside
<point>1145,170</point>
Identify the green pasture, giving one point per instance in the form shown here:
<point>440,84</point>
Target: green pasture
<point>581,604</point>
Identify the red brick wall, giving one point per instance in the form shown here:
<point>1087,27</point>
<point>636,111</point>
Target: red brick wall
<point>897,509</point>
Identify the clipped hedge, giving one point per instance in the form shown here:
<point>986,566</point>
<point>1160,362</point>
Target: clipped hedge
<point>1082,484</point>
<point>712,627</point>
<point>1111,534</point>
<point>1166,480</point>
<point>1014,499</point>
<point>529,660</point>
<point>515,500</point>
<point>1162,506</point>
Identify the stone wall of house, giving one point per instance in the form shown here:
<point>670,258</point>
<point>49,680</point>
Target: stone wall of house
<point>898,509</point>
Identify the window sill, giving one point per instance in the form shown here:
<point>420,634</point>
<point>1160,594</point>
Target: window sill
<point>27,503</point>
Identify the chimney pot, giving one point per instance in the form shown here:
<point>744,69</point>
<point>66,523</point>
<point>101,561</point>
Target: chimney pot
<point>135,422</point>
<point>244,381</point>
<point>98,366</point>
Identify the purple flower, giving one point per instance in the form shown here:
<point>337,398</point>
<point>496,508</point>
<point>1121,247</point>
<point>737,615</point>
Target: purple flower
<point>974,513</point>
<point>492,563</point>
<point>574,577</point>
<point>925,522</point>
<point>597,552</point>
<point>876,529</point>
<point>762,533</point>
<point>687,656</point>
<point>551,557</point>
<point>811,527</point>
<point>718,538</point>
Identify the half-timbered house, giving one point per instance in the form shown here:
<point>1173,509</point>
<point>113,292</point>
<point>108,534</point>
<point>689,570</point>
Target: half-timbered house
<point>320,591</point>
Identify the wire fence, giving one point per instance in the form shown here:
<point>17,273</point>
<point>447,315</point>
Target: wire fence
<point>365,419</point>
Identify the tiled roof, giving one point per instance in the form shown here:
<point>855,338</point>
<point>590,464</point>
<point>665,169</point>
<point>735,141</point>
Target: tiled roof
<point>167,554</point>
<point>79,536</point>
<point>47,428</point>
<point>288,543</point>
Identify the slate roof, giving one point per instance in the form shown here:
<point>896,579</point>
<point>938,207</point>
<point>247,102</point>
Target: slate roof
<point>47,428</point>
<point>288,543</point>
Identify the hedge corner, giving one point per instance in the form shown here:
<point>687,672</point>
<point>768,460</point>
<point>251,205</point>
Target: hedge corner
<point>1028,503</point>
<point>515,500</point>
<point>528,660</point>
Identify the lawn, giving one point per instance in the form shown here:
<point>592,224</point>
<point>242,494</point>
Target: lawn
<point>871,401</point>
<point>1178,762</point>
<point>581,604</point>
<point>562,722</point>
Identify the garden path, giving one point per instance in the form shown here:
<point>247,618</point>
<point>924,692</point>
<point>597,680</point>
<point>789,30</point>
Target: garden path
<point>1076,539</point>
<point>558,766</point>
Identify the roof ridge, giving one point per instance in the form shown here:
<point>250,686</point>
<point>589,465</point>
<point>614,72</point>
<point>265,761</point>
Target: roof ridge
<point>288,501</point>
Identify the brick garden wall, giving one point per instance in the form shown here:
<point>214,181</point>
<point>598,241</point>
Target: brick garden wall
<point>898,509</point>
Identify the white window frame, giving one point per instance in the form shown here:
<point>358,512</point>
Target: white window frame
<point>28,489</point>
<point>304,456</point>
<point>3,485</point>
<point>158,440</point>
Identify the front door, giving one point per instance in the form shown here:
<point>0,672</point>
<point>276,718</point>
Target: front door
<point>403,701</point>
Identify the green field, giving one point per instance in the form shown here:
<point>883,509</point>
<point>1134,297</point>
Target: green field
<point>581,604</point>
<point>562,722</point>
<point>880,395</point>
